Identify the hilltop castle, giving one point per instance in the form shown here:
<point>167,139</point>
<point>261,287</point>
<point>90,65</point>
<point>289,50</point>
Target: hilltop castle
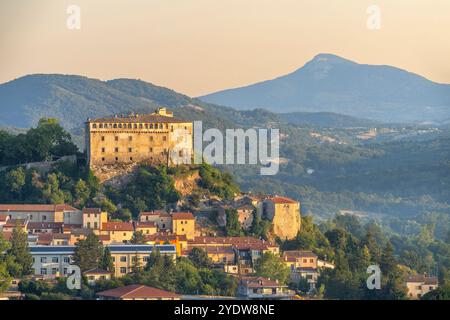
<point>154,138</point>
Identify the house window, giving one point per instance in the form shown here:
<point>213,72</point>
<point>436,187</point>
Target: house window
<point>140,126</point>
<point>43,259</point>
<point>131,158</point>
<point>130,138</point>
<point>135,126</point>
<point>54,270</point>
<point>151,149</point>
<point>161,126</point>
<point>145,259</point>
<point>123,270</point>
<point>164,138</point>
<point>55,259</point>
<point>88,225</point>
<point>43,271</point>
<point>95,225</point>
<point>66,259</point>
<point>117,159</point>
<point>124,234</point>
<point>65,271</point>
<point>94,126</point>
<point>114,259</point>
<point>103,159</point>
<point>123,259</point>
<point>44,218</point>
<point>116,149</point>
<point>103,149</point>
<point>151,138</point>
<point>130,149</point>
<point>103,138</point>
<point>116,138</point>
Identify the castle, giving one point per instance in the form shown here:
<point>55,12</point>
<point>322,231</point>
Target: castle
<point>154,138</point>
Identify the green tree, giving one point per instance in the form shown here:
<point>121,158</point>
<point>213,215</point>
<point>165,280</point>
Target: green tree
<point>5,278</point>
<point>106,262</point>
<point>271,266</point>
<point>15,180</point>
<point>199,258</point>
<point>88,253</point>
<point>232,227</point>
<point>20,252</point>
<point>138,238</point>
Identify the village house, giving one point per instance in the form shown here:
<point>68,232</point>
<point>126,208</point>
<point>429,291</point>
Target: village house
<point>94,218</point>
<point>161,218</point>
<point>179,241</point>
<point>11,224</point>
<point>252,287</point>
<point>42,212</point>
<point>183,223</point>
<point>418,285</point>
<point>146,227</point>
<point>119,232</point>
<point>96,274</point>
<point>137,292</point>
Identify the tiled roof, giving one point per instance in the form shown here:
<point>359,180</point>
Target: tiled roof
<point>97,271</point>
<point>136,291</point>
<point>279,200</point>
<point>91,210</point>
<point>117,226</point>
<point>228,240</point>
<point>160,213</point>
<point>45,239</point>
<point>44,225</point>
<point>163,237</point>
<point>299,254</point>
<point>182,216</point>
<point>36,207</point>
<point>260,282</point>
<point>420,278</point>
<point>145,224</point>
<point>11,223</point>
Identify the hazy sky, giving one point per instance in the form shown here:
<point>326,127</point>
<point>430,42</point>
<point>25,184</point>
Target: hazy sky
<point>199,46</point>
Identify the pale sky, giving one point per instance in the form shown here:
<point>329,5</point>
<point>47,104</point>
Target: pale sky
<point>200,46</point>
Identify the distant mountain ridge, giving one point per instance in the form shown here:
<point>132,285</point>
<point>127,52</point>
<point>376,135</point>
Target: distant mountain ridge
<point>72,99</point>
<point>329,83</point>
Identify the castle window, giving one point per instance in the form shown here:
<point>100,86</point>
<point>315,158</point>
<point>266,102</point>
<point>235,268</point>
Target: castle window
<point>103,138</point>
<point>151,149</point>
<point>167,126</point>
<point>120,125</point>
<point>116,138</point>
<point>115,125</point>
<point>94,126</point>
<point>135,126</point>
<point>131,158</point>
<point>103,149</point>
<point>161,126</point>
<point>129,126</point>
<point>117,159</point>
<point>140,126</point>
<point>130,138</point>
<point>103,159</point>
<point>151,125</point>
<point>100,125</point>
<point>130,149</point>
<point>116,149</point>
<point>146,126</point>
<point>164,138</point>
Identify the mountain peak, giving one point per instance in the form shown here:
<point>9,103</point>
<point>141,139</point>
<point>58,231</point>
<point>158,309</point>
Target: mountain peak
<point>329,58</point>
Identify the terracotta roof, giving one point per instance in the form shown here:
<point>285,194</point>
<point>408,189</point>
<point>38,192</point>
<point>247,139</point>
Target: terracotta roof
<point>36,207</point>
<point>281,200</point>
<point>160,213</point>
<point>3,217</point>
<point>163,237</point>
<point>136,291</point>
<point>44,225</point>
<point>182,216</point>
<point>97,271</point>
<point>117,226</point>
<point>140,118</point>
<point>64,236</point>
<point>420,278</point>
<point>260,282</point>
<point>145,224</point>
<point>11,223</point>
<point>229,240</point>
<point>299,254</point>
<point>104,237</point>
<point>68,227</point>
<point>91,210</point>
<point>45,239</point>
